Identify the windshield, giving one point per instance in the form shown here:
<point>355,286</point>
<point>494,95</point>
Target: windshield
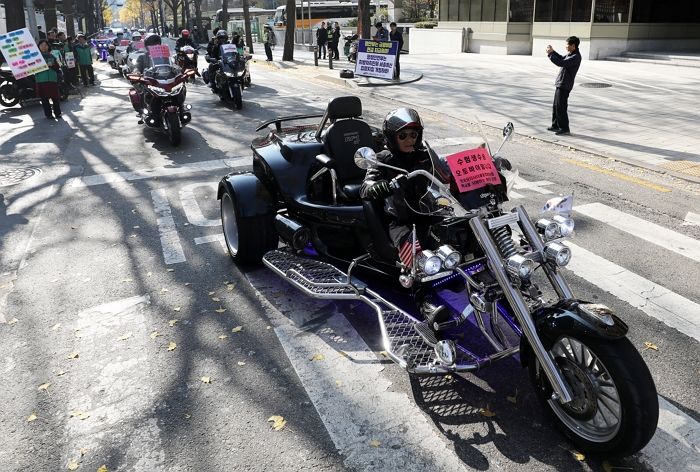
<point>162,72</point>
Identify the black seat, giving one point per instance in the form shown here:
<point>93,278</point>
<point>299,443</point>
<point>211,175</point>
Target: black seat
<point>344,136</point>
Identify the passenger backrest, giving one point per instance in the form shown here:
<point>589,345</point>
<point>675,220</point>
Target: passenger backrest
<point>346,135</point>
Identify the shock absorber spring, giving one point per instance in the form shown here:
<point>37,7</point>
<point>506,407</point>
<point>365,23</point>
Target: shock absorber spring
<point>504,241</point>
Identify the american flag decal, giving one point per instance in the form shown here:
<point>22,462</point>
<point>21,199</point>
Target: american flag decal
<point>406,251</point>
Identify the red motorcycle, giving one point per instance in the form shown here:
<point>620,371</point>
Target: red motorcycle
<point>158,97</point>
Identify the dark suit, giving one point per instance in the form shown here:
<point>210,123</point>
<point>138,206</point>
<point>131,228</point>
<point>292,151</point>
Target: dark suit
<point>564,83</point>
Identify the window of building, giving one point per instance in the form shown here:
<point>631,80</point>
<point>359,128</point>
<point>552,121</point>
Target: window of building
<point>521,10</point>
<point>475,10</point>
<point>501,13</point>
<point>668,11</point>
<point>454,10</point>
<point>563,10</point>
<point>611,11</point>
<point>443,11</point>
<point>463,9</point>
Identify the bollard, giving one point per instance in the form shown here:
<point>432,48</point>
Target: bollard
<point>316,56</point>
<point>330,61</point>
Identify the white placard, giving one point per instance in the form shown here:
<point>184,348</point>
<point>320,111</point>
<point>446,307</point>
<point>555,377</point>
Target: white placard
<point>21,53</point>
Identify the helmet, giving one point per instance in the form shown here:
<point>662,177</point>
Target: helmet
<point>152,40</point>
<point>185,33</point>
<point>399,119</point>
<point>136,36</point>
<point>221,34</point>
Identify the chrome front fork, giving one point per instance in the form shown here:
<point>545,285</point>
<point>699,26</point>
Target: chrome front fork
<point>517,302</point>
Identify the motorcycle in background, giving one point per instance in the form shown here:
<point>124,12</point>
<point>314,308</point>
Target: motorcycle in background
<point>231,75</point>
<point>350,47</point>
<point>13,91</point>
<point>158,97</point>
<point>186,59</point>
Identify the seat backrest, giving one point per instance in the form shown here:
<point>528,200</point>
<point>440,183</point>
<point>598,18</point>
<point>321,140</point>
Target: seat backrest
<point>345,136</point>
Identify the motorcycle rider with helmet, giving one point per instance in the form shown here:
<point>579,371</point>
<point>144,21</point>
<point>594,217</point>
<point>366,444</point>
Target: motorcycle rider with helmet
<point>185,40</point>
<point>214,51</point>
<point>403,134</point>
<point>135,38</point>
<point>143,63</point>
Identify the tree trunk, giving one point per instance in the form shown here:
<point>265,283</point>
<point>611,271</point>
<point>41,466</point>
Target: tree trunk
<point>186,11</point>
<point>198,20</point>
<point>175,25</point>
<point>224,15</point>
<point>68,13</point>
<point>49,14</point>
<point>90,16</point>
<point>14,14</point>
<point>363,24</point>
<point>161,15</point>
<point>246,21</point>
<point>291,13</point>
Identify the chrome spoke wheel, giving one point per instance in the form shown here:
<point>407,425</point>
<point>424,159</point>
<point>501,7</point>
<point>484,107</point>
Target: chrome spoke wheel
<point>228,221</point>
<point>595,413</point>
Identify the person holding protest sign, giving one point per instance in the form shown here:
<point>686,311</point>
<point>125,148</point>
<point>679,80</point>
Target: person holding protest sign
<point>84,55</point>
<point>47,82</point>
<point>396,35</point>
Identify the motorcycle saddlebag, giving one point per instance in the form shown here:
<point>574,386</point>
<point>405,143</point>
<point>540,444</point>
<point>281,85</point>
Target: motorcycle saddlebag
<point>135,100</point>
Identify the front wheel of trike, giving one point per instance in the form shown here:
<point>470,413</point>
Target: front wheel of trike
<point>247,238</point>
<point>615,406</point>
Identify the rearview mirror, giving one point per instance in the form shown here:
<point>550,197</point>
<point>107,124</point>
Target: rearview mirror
<point>365,158</point>
<point>508,130</point>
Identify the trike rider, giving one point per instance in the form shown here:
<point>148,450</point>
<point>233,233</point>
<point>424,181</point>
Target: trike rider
<point>403,133</point>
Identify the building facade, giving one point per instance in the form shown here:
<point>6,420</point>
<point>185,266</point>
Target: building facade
<point>605,27</point>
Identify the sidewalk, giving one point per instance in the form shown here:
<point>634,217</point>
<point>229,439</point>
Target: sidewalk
<point>643,114</point>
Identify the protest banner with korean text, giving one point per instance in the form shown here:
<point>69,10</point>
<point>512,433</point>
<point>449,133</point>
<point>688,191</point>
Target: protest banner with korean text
<point>376,58</point>
<point>21,53</point>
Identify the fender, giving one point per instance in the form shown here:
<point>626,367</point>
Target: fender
<point>570,317</point>
<point>252,196</point>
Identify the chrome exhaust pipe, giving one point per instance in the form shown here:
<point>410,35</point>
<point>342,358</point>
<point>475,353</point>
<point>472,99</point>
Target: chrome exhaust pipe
<point>292,232</point>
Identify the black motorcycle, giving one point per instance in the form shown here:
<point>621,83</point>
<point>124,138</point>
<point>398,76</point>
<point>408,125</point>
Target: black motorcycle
<point>497,273</point>
<point>13,91</point>
<point>186,59</point>
<point>230,76</point>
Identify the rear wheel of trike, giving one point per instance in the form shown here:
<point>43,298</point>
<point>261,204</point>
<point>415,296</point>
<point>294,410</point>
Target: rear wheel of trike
<point>247,238</point>
<point>615,406</point>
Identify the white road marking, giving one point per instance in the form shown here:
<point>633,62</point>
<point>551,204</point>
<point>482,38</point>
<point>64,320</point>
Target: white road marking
<point>659,302</point>
<point>522,184</point>
<point>351,396</point>
<point>691,219</point>
<point>118,177</point>
<point>192,208</point>
<point>212,239</point>
<point>169,239</point>
<point>643,229</point>
<point>674,446</point>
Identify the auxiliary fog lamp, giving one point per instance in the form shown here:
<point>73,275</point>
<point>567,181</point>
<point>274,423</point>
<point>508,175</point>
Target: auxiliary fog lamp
<point>520,266</point>
<point>557,253</point>
<point>449,256</point>
<point>429,262</point>
<point>558,227</point>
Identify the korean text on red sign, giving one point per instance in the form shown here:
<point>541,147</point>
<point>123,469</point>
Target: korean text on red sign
<point>473,169</point>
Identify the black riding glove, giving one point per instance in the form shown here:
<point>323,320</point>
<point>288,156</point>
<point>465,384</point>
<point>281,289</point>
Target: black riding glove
<point>380,189</point>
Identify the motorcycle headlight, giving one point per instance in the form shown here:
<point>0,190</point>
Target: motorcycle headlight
<point>520,266</point>
<point>449,256</point>
<point>566,225</point>
<point>428,262</point>
<point>557,253</point>
<point>230,74</point>
<point>177,89</point>
<point>548,228</point>
<point>157,90</point>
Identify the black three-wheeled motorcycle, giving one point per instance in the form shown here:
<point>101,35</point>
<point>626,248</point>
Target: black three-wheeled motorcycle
<point>304,191</point>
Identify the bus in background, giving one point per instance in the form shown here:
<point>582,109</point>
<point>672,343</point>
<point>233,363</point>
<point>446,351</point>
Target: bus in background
<point>332,11</point>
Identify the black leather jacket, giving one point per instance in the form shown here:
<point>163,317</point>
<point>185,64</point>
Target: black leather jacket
<point>395,205</point>
<point>182,42</point>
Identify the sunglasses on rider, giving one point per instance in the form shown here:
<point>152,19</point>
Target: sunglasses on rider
<point>407,134</point>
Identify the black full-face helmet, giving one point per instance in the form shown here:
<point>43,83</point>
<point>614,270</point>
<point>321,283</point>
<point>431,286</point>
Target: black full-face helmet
<point>152,40</point>
<point>222,35</point>
<point>398,120</point>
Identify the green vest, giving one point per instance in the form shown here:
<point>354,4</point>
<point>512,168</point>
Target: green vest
<point>83,54</point>
<point>330,35</point>
<point>47,75</point>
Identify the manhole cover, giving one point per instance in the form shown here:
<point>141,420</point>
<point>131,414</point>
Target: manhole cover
<point>14,175</point>
<point>595,85</point>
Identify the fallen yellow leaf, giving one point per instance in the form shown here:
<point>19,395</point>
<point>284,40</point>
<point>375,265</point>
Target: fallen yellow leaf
<point>103,468</point>
<point>127,280</point>
<point>220,310</point>
<point>230,287</point>
<point>12,321</point>
<point>164,289</point>
<point>211,293</point>
<point>124,337</point>
<point>171,270</point>
<point>648,345</point>
<point>73,464</point>
<point>82,451</point>
<point>241,363</point>
<point>73,355</point>
<point>31,418</point>
<point>206,380</point>
<point>63,372</point>
<point>383,353</point>
<point>375,443</point>
<point>317,357</point>
<point>55,327</point>
<point>215,299</point>
<point>237,329</point>
<point>223,336</point>
<point>339,383</point>
<point>578,456</point>
<point>45,386</point>
<point>155,334</point>
<point>81,415</point>
<point>137,227</point>
<point>176,308</point>
<point>187,284</point>
<point>172,346</point>
<point>172,323</point>
<point>187,415</point>
<point>149,274</point>
<point>487,413</point>
<point>278,422</point>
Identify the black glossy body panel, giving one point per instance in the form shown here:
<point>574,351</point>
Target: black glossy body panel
<point>251,195</point>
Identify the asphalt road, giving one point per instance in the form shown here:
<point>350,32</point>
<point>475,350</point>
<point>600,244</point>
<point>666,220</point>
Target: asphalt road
<point>130,339</point>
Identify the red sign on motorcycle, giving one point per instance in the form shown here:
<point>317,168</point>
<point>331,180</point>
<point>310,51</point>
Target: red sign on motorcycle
<point>473,169</point>
<point>159,52</point>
